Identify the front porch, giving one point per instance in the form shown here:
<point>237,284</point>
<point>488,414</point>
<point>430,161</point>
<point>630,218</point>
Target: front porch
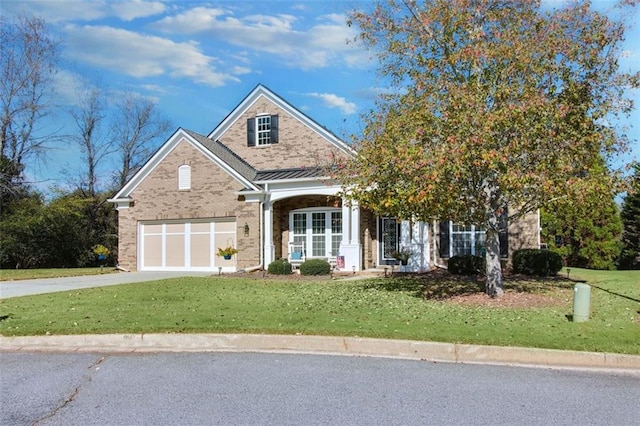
<point>324,225</point>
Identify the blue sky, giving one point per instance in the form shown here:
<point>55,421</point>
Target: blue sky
<point>198,59</point>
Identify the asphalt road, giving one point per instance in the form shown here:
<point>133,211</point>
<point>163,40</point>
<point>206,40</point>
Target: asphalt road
<point>279,389</point>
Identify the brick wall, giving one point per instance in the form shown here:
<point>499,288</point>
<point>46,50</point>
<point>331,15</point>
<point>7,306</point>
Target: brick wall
<point>298,146</point>
<point>212,195</point>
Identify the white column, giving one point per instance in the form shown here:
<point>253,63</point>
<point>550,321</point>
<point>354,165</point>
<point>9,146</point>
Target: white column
<point>346,222</point>
<point>350,247</point>
<point>269,251</point>
<point>355,223</point>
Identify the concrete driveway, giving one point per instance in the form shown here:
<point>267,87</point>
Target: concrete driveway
<point>50,285</point>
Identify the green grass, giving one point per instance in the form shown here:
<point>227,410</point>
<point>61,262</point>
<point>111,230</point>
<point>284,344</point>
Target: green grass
<point>387,308</point>
<point>28,274</point>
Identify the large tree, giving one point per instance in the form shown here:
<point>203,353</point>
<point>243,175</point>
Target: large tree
<point>90,136</point>
<point>498,103</point>
<point>630,257</point>
<point>137,125</point>
<point>28,59</point>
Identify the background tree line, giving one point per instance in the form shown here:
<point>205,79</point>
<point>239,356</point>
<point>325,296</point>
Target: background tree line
<point>62,227</point>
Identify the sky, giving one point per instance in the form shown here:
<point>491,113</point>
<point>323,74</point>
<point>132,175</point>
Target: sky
<point>199,59</point>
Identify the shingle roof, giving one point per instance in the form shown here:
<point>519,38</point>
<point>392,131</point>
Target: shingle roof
<point>250,173</point>
<point>226,155</point>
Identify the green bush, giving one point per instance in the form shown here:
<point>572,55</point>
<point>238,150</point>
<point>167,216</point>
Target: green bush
<point>279,267</point>
<point>315,267</point>
<point>467,265</point>
<point>536,262</point>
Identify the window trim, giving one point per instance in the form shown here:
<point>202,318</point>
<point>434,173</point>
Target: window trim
<point>184,177</point>
<point>263,136</point>
<point>473,231</point>
<point>309,231</point>
<point>254,134</point>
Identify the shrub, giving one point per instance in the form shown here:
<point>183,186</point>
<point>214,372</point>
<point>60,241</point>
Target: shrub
<point>467,265</point>
<point>279,267</point>
<point>536,262</point>
<point>315,267</point>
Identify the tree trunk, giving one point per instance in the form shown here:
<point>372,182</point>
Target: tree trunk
<point>494,286</point>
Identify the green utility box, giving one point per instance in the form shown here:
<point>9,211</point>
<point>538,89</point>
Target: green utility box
<point>581,302</point>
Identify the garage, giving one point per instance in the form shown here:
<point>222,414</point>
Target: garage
<point>185,245</point>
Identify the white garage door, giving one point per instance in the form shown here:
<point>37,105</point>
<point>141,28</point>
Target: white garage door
<point>185,245</point>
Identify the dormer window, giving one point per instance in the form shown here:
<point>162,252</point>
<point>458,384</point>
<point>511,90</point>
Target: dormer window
<point>262,130</point>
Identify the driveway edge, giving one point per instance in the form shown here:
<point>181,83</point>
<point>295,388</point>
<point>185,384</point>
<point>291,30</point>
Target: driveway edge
<point>328,345</point>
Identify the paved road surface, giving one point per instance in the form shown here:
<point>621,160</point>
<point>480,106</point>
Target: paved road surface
<point>50,285</point>
<point>279,389</point>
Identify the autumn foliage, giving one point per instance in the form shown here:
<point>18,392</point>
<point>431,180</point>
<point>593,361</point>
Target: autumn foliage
<point>491,104</point>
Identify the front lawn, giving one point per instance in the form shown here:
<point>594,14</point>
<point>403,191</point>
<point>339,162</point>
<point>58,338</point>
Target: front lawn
<point>533,313</point>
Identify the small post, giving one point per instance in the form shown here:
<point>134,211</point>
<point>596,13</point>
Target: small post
<point>581,302</point>
<point>219,270</point>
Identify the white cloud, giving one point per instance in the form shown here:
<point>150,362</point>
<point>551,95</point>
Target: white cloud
<point>140,55</point>
<point>83,10</point>
<point>285,36</point>
<point>335,101</point>
<point>129,10</point>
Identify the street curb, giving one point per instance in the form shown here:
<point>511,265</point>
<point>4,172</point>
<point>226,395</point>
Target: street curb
<point>328,345</point>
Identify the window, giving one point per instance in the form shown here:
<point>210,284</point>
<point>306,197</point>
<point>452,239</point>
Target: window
<point>320,230</point>
<point>467,239</point>
<point>262,130</point>
<point>184,177</point>
<point>458,239</point>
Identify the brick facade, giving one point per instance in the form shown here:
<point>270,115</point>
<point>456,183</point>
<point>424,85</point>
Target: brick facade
<point>298,145</point>
<point>212,195</point>
<point>214,192</point>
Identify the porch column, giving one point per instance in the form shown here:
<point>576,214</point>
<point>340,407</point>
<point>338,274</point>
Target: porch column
<point>350,247</point>
<point>346,223</point>
<point>355,223</point>
<point>269,249</point>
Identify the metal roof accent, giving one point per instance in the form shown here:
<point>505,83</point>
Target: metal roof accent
<point>290,174</point>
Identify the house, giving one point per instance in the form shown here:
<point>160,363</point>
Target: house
<point>254,183</point>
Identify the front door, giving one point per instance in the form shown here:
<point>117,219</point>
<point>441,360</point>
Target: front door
<point>389,238</point>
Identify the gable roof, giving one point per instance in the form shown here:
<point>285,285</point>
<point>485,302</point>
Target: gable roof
<point>215,151</point>
<point>262,91</point>
<point>228,160</point>
<point>226,155</point>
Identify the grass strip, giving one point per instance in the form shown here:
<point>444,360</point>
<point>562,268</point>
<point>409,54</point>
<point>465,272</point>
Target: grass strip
<point>29,274</point>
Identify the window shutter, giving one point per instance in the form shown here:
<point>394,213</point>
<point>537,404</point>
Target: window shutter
<point>251,132</point>
<point>444,239</point>
<point>504,234</point>
<point>274,129</point>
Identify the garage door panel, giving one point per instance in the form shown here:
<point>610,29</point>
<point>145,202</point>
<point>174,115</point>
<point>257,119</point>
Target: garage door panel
<point>200,250</point>
<point>153,250</point>
<point>175,251</point>
<point>186,245</point>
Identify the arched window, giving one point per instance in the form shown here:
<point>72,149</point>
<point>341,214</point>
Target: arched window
<point>184,177</point>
